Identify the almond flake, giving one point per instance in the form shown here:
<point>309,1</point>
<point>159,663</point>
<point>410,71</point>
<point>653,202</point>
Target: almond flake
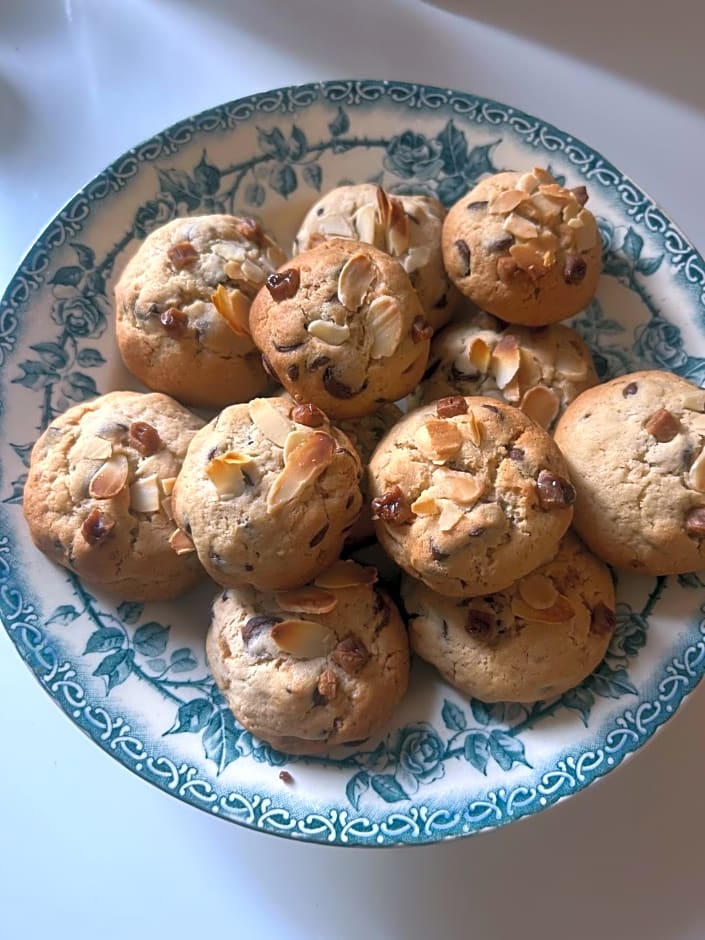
<point>543,176</point>
<point>329,332</point>
<point>354,281</point>
<point>181,543</point>
<point>586,236</point>
<point>145,495</point>
<point>530,260</point>
<point>538,591</point>
<point>416,257</point>
<point>168,485</point>
<point>570,363</point>
<point>506,359</point>
<point>473,428</point>
<point>91,448</point>
<point>512,390</point>
<point>332,225</point>
<point>303,639</point>
<point>439,440</point>
<point>507,201</point>
<point>305,464</point>
<point>307,600</point>
<point>234,308</point>
<point>225,473</point>
<point>253,272</point>
<point>398,229</point>
<point>541,404</point>
<point>110,479</point>
<point>548,209</point>
<point>450,516</point>
<point>384,321</point>
<point>694,401</point>
<point>520,227</point>
<point>365,223</point>
<point>425,505</point>
<point>696,474</point>
<point>167,507</point>
<point>479,354</point>
<point>571,210</point>
<point>530,372</point>
<point>561,611</point>
<point>269,421</point>
<point>528,182</point>
<point>461,487</point>
<point>343,574</point>
<point>294,439</point>
<point>555,191</point>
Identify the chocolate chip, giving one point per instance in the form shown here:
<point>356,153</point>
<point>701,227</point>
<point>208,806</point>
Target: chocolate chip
<point>290,347</point>
<point>602,620</point>
<point>554,492</point>
<point>501,243</point>
<point>320,210</point>
<point>285,776</point>
<point>695,522</point>
<point>662,425</point>
<point>437,554</point>
<point>269,368</point>
<point>581,194</point>
<point>308,414</point>
<point>349,501</point>
<point>292,372</point>
<point>145,438</point>
<point>492,408</point>
<point>256,625</point>
<point>421,330</point>
<point>283,284</point>
<point>463,251</point>
<point>335,387</point>
<point>451,406</point>
<point>630,389</point>
<point>319,536</point>
<point>476,206</point>
<point>182,255</point>
<point>251,230</point>
<point>393,507</point>
<point>174,321</point>
<point>97,527</point>
<point>479,623</point>
<point>441,302</point>
<point>351,654</point>
<point>516,453</point>
<point>318,363</point>
<point>477,531</point>
<point>574,270</point>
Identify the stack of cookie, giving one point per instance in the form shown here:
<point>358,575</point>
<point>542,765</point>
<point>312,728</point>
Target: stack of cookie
<point>308,454</point>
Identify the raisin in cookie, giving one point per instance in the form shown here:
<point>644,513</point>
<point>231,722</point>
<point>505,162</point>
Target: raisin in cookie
<point>182,309</point>
<point>97,497</point>
<point>534,640</point>
<point>540,370</point>
<point>407,227</point>
<point>267,493</point>
<point>469,494</point>
<point>314,667</point>
<point>524,248</point>
<point>341,326</point>
<point>636,451</point>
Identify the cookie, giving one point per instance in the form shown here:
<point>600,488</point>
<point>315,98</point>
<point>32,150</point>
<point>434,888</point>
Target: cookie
<point>341,326</point>
<point>635,448</point>
<point>523,247</point>
<point>534,640</point>
<point>469,494</point>
<point>182,304</point>
<point>366,433</point>
<point>407,227</point>
<point>312,668</point>
<point>540,370</point>
<point>97,497</point>
<point>267,493</point>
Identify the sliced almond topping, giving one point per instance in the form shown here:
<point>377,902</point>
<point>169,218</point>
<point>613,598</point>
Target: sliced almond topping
<point>507,201</point>
<point>342,574</point>
<point>365,223</point>
<point>571,210</point>
<point>294,439</point>
<point>426,504</point>
<point>520,227</point>
<point>91,448</point>
<point>110,479</point>
<point>512,390</point>
<point>548,209</point>
<point>384,321</point>
<point>332,225</point>
<point>145,495</point>
<point>305,464</point>
<point>166,507</point>
<point>225,473</point>
<point>696,474</point>
<point>416,258</point>
<point>329,332</point>
<point>354,281</point>
<point>529,259</point>
<point>561,611</point>
<point>234,308</point>
<point>168,485</point>
<point>586,235</point>
<point>307,600</point>
<point>303,639</point>
<point>397,228</point>
<point>570,363</point>
<point>538,591</point>
<point>438,439</point>
<point>269,421</point>
<point>473,427</point>
<point>450,516</point>
<point>528,182</point>
<point>543,176</point>
<point>181,543</point>
<point>253,272</point>
<point>464,488</point>
<point>541,404</point>
<point>506,359</point>
<point>530,371</point>
<point>693,401</point>
<point>479,354</point>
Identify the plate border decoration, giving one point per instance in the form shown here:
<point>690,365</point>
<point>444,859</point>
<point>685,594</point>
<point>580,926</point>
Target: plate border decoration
<point>419,821</point>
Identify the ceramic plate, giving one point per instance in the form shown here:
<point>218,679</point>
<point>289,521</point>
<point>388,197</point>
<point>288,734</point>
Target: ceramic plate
<point>133,676</point>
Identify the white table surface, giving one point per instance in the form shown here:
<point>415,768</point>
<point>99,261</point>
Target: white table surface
<point>89,850</point>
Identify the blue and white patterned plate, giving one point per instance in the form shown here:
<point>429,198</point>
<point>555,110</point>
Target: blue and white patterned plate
<point>133,676</point>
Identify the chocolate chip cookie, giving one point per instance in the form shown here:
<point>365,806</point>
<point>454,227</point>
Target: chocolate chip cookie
<point>636,451</point>
<point>523,247</point>
<point>407,227</point>
<point>469,494</point>
<point>342,327</point>
<point>311,668</point>
<point>534,640</point>
<point>267,493</point>
<point>183,304</point>
<point>538,370</point>
<point>98,494</point>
